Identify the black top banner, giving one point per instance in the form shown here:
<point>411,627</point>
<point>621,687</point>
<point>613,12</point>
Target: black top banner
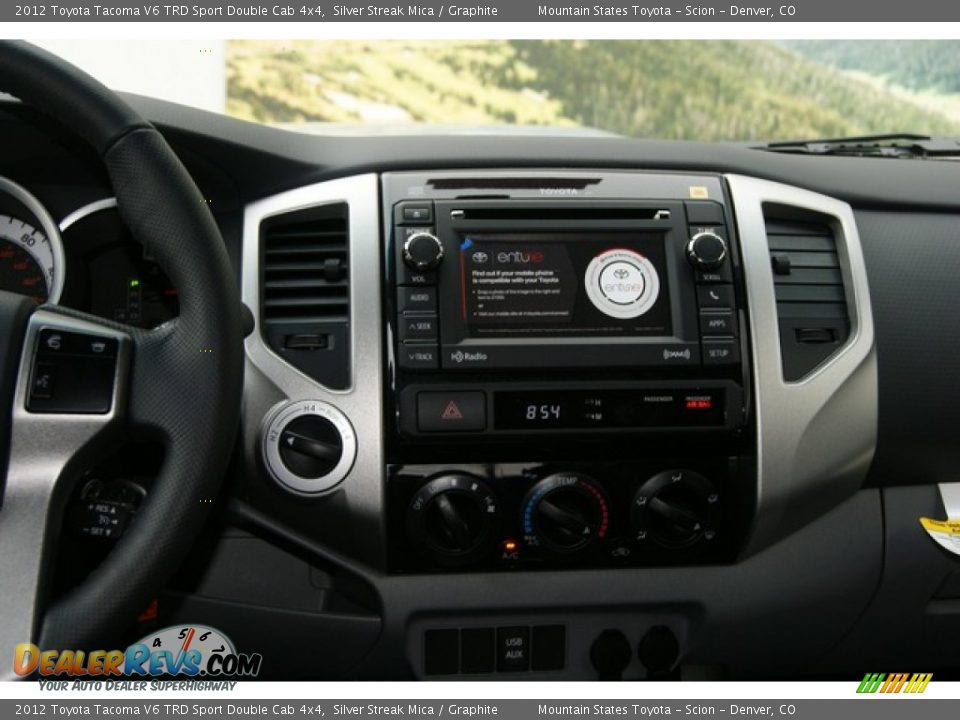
<point>333,11</point>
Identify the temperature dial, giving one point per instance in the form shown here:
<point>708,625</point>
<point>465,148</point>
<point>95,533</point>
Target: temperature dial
<point>565,513</point>
<point>675,509</point>
<point>453,519</point>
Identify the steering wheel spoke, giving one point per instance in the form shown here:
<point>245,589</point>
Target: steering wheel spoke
<point>69,395</point>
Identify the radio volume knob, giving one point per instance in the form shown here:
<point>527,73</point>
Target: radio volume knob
<point>706,251</point>
<point>422,252</point>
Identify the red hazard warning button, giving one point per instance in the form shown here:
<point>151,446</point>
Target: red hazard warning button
<point>451,411</point>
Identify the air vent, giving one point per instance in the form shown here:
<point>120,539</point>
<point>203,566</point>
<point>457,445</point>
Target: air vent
<point>305,293</point>
<point>809,288</point>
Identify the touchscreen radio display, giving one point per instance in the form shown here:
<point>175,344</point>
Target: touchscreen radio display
<point>564,284</point>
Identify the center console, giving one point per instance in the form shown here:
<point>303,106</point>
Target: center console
<point>566,382</point>
<point>628,394</point>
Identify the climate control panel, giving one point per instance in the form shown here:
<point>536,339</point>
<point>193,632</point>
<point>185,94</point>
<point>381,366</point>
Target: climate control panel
<point>525,516</point>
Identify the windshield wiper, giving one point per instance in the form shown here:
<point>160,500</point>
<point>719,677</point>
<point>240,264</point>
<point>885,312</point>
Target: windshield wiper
<point>889,146</point>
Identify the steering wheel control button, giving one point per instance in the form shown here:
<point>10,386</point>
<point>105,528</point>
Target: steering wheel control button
<point>309,446</point>
<point>73,373</point>
<point>622,283</point>
<point>715,297</point>
<point>452,411</point>
<point>44,377</point>
<point>513,649</point>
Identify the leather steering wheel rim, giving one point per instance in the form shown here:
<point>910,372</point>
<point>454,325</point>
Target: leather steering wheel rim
<point>186,376</point>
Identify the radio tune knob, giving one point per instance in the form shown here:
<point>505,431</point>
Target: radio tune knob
<point>422,252</point>
<point>706,251</point>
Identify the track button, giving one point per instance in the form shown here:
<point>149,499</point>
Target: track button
<point>451,411</point>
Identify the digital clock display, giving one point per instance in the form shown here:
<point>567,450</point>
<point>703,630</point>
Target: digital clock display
<point>620,408</point>
<point>543,413</point>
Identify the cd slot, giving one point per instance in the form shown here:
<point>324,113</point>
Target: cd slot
<point>560,213</point>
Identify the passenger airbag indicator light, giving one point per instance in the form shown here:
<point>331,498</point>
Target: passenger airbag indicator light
<point>699,403</point>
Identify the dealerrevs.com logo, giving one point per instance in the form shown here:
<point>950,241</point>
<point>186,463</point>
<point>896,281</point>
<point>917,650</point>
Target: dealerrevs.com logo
<point>191,651</point>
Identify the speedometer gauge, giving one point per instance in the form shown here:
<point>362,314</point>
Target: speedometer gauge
<point>26,260</point>
<point>31,253</point>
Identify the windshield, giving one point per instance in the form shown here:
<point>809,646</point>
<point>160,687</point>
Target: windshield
<point>690,90</point>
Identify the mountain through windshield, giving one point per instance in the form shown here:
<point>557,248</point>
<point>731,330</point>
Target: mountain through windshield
<point>689,90</point>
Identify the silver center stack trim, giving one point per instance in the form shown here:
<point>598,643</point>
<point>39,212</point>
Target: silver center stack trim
<point>815,437</point>
<point>271,379</point>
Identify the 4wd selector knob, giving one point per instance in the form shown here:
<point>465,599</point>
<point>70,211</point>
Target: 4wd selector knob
<point>308,446</point>
<point>453,519</point>
<point>422,252</point>
<point>706,250</point>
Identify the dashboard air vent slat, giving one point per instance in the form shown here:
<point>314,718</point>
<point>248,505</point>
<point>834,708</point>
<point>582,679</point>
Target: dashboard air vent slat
<point>808,286</point>
<point>305,291</point>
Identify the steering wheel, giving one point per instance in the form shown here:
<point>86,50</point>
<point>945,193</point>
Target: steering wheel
<point>179,384</point>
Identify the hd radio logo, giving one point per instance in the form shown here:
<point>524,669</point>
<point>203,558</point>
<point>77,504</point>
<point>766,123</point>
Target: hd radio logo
<point>909,683</point>
<point>190,651</point>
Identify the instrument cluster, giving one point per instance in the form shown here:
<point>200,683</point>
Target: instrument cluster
<point>88,260</point>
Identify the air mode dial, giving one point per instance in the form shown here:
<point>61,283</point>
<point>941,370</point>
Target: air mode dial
<point>675,509</point>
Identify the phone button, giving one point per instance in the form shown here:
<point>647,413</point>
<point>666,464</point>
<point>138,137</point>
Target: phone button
<point>715,296</point>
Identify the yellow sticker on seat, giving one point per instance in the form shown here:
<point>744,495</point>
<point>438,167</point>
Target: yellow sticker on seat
<point>945,532</point>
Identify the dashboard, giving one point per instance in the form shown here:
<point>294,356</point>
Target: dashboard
<point>513,405</point>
